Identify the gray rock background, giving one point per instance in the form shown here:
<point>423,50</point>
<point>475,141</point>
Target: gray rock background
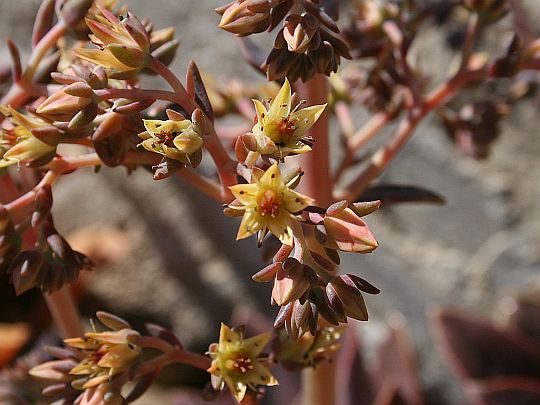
<point>185,270</point>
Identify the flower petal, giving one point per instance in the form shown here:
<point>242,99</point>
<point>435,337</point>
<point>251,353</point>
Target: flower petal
<point>245,193</point>
<point>250,224</point>
<point>305,118</point>
<point>295,202</point>
<point>265,377</point>
<point>272,178</point>
<point>261,115</point>
<point>281,228</point>
<point>281,105</point>
<point>255,345</point>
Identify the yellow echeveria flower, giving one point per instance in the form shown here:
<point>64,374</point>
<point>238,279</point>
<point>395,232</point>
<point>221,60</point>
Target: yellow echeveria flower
<point>17,143</point>
<point>280,131</point>
<point>237,362</point>
<point>175,139</point>
<point>268,204</point>
<point>124,44</point>
<point>108,353</point>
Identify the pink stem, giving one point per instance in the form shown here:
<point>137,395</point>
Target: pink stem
<point>63,309</point>
<point>360,138</point>
<point>138,94</point>
<point>318,385</point>
<point>158,67</point>
<point>317,181</point>
<point>386,153</point>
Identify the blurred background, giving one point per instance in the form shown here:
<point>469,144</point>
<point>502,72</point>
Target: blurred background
<point>166,253</point>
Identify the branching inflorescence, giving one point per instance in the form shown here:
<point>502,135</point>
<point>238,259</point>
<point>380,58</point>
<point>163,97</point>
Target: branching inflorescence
<point>81,86</point>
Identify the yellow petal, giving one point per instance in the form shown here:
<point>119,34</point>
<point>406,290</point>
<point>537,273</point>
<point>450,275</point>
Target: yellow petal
<point>281,229</point>
<point>245,193</point>
<point>29,148</point>
<point>101,57</point>
<point>255,345</point>
<point>261,115</point>
<point>227,335</point>
<point>152,145</point>
<point>250,224</point>
<point>238,388</point>
<point>305,118</point>
<point>175,154</point>
<point>281,105</point>
<point>295,202</point>
<point>272,178</point>
<point>264,376</point>
<point>168,126</point>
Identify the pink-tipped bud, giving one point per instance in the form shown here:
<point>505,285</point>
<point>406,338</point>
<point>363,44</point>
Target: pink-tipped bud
<point>347,232</point>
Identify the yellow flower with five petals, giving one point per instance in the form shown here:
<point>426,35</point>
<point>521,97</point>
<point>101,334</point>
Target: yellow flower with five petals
<point>237,362</point>
<point>281,130</point>
<point>269,204</point>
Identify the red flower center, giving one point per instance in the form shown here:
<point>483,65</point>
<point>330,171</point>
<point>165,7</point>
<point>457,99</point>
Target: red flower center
<point>269,204</point>
<point>286,128</point>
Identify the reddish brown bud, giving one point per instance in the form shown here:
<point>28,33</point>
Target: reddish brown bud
<point>266,274</point>
<point>299,31</point>
<point>240,19</point>
<point>72,12</point>
<point>42,205</point>
<point>344,294</point>
<point>291,282</point>
<point>28,270</point>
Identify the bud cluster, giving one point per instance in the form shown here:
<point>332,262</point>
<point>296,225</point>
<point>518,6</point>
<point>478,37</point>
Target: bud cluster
<point>305,285</point>
<point>53,263</point>
<point>95,368</point>
<point>308,43</point>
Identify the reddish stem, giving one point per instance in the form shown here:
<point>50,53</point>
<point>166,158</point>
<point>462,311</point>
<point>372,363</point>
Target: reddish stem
<point>138,94</point>
<point>360,138</point>
<point>317,181</point>
<point>161,69</point>
<point>318,384</point>
<point>386,153</point>
<point>64,312</point>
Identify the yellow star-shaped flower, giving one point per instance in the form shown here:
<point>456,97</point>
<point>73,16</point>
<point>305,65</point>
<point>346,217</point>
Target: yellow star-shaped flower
<point>268,204</point>
<point>281,131</point>
<point>237,362</point>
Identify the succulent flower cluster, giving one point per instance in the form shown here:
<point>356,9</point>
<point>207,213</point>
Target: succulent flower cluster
<point>94,368</point>
<point>308,43</point>
<point>300,210</point>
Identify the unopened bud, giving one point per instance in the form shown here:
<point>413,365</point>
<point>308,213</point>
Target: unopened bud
<point>291,283</point>
<point>299,31</point>
<point>84,117</point>
<point>365,208</point>
<point>72,12</point>
<point>347,232</point>
<point>341,293</point>
<point>166,52</point>
<point>61,106</point>
<point>266,274</point>
<point>28,270</point>
<point>240,19</point>
<point>42,205</point>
